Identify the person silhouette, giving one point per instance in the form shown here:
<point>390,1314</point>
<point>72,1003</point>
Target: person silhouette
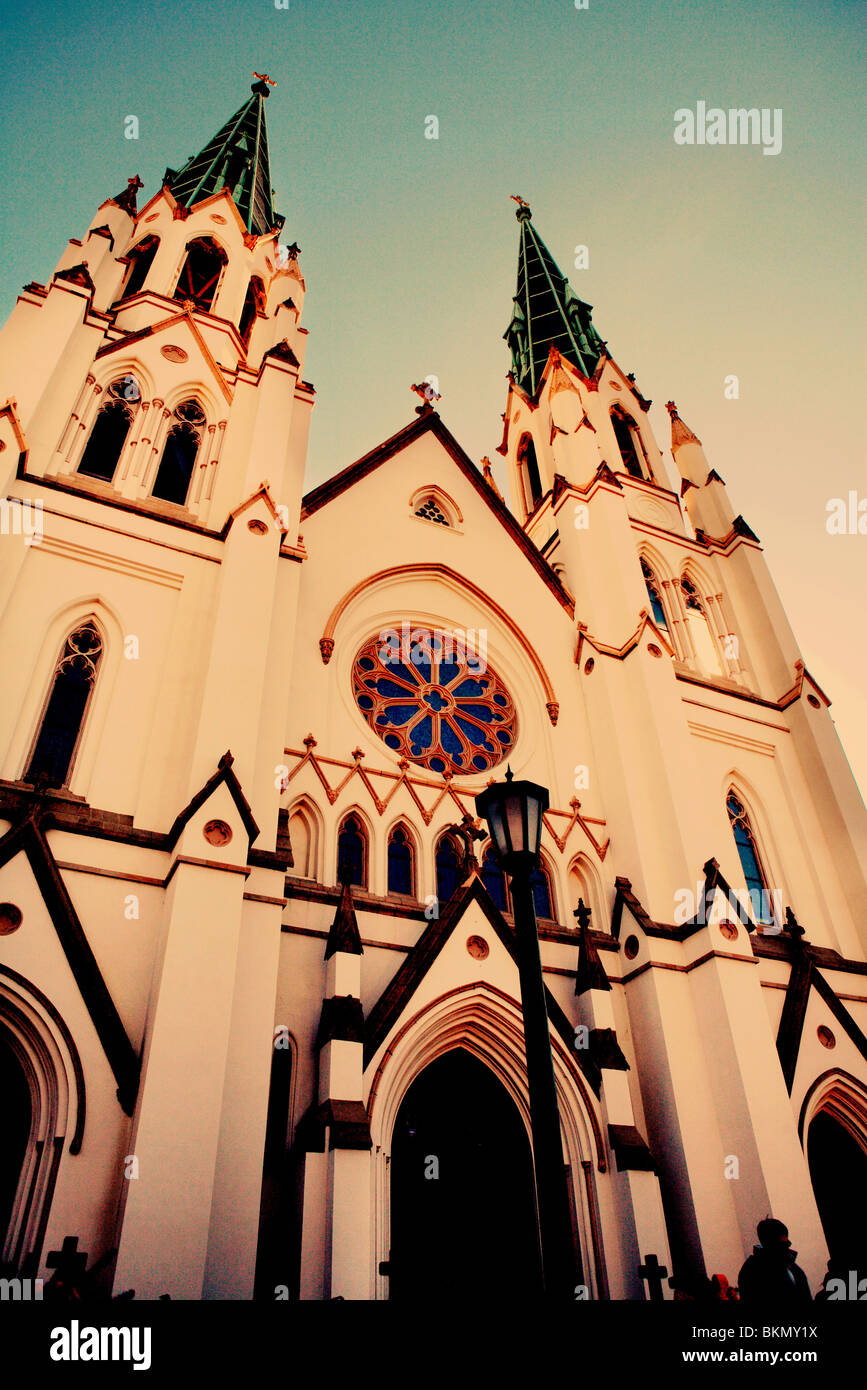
<point>771,1274</point>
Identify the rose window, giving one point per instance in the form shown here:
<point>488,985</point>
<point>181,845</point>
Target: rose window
<point>431,699</point>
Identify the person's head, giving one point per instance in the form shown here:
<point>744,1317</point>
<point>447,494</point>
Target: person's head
<point>773,1234</point>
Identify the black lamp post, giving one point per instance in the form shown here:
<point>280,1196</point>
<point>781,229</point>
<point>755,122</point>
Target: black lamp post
<point>513,811</point>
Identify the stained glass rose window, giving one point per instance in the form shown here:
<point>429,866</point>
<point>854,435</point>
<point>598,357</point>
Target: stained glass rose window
<point>431,697</point>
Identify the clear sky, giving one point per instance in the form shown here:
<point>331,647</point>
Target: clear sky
<point>704,260</point>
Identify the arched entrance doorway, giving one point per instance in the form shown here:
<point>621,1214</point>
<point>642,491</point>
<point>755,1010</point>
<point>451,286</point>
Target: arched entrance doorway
<point>838,1171</point>
<point>14,1134</point>
<point>463,1221</point>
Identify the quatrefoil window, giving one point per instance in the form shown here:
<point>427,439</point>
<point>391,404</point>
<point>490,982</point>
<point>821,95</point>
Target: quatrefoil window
<point>432,700</point>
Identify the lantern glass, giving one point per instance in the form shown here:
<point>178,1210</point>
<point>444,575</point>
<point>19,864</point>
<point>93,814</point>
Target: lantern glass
<point>513,811</point>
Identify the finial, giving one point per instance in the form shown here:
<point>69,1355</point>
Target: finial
<point>429,390</point>
<point>260,86</point>
<point>793,927</point>
<point>344,873</point>
<point>509,773</point>
<point>671,408</point>
<point>523,212</point>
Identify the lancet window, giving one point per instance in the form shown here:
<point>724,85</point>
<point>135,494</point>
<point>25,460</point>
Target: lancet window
<point>352,850</point>
<point>63,718</point>
<point>751,864</point>
<point>110,430</point>
<point>179,453</point>
<point>401,862</point>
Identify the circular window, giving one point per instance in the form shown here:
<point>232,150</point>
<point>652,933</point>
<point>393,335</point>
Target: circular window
<point>728,930</point>
<point>477,947</point>
<point>588,665</point>
<point>217,832</point>
<point>811,700</point>
<point>10,918</point>
<point>432,700</point>
<point>826,1037</point>
<point>630,947</point>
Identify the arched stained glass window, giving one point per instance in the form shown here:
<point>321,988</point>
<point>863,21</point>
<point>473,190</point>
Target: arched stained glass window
<point>352,850</point>
<point>179,454</point>
<point>400,862</point>
<point>448,868</point>
<point>543,898</point>
<point>62,721</point>
<point>652,585</point>
<point>495,880</point>
<point>757,885</point>
<point>431,700</point>
<point>110,429</point>
<point>431,510</point>
<point>699,628</point>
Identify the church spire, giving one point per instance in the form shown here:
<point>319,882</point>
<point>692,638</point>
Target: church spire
<point>546,310</point>
<point>236,159</point>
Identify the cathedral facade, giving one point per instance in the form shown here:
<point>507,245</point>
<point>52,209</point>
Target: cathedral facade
<point>260,1020</point>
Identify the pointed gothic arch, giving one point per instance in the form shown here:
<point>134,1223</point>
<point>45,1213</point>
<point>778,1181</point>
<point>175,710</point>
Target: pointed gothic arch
<point>253,308</point>
<point>110,428</point>
<point>447,860</point>
<point>305,836</point>
<point>200,273</point>
<point>486,1022</point>
<point>51,1105</point>
<point>528,472</point>
<point>705,648</point>
<point>139,261</point>
<point>401,853</point>
<point>66,705</point>
<point>747,824</point>
<point>353,847</point>
<point>629,442</point>
<point>433,503</point>
<point>584,883</point>
<point>180,451</point>
<point>832,1127</point>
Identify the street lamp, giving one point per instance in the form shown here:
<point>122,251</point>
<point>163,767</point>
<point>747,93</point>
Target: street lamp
<point>513,811</point>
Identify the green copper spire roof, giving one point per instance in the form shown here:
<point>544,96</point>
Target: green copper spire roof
<point>547,310</point>
<point>237,159</point>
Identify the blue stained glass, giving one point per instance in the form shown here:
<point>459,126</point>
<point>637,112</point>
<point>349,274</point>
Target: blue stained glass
<point>494,880</point>
<point>478,712</point>
<point>499,699</point>
<point>436,701</point>
<point>423,669</point>
<point>480,763</point>
<point>387,687</point>
<point>437,765</point>
<point>541,894</point>
<point>449,739</point>
<point>466,689</point>
<point>422,733</point>
<point>401,672</point>
<point>449,671</point>
<point>392,740</point>
<point>365,702</point>
<point>504,736</point>
<point>477,736</point>
<point>399,715</point>
<point>366,663</point>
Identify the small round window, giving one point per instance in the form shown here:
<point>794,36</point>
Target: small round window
<point>433,699</point>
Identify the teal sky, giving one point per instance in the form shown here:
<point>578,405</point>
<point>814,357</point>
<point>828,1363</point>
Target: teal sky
<point>704,261</point>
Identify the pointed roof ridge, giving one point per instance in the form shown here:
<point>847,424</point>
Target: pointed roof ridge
<point>353,473</point>
<point>680,432</point>
<point>343,934</point>
<point>546,312</point>
<point>236,158</point>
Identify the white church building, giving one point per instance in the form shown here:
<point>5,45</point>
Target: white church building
<point>260,1020</point>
